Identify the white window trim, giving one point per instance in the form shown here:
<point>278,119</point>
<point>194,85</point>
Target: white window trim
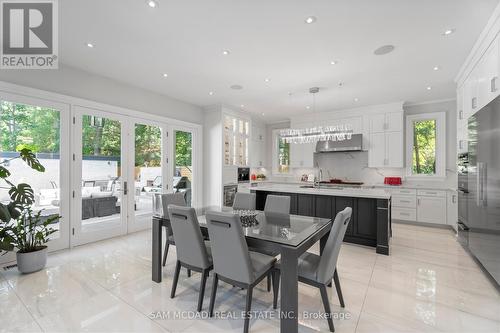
<point>440,118</point>
<point>275,172</point>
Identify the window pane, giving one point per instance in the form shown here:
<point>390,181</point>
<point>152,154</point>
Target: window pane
<point>183,176</point>
<point>147,171</point>
<point>283,156</point>
<point>37,128</point>
<point>424,147</point>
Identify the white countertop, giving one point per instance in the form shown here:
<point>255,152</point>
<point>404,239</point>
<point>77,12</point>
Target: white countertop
<point>375,193</point>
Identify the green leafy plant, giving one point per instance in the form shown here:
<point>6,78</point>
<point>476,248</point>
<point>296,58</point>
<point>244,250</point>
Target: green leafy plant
<point>20,227</point>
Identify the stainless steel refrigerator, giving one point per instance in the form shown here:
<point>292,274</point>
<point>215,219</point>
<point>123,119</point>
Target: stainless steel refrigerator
<point>483,185</point>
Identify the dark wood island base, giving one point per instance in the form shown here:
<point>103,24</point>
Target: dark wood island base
<point>371,217</point>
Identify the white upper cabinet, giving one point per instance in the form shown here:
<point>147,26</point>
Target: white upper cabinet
<point>258,147</point>
<point>461,122</point>
<point>376,155</point>
<point>386,140</point>
<point>386,122</point>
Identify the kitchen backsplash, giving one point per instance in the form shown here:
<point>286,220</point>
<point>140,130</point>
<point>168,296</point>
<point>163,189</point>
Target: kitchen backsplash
<point>354,166</point>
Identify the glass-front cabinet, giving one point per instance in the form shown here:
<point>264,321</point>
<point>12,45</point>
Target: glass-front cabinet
<point>236,140</point>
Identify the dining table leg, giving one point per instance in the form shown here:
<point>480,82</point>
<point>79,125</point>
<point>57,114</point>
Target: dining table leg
<point>156,249</point>
<point>290,292</point>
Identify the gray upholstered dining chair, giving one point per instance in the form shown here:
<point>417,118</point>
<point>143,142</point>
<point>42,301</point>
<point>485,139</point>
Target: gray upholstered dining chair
<point>193,252</point>
<point>318,271</point>
<point>277,204</point>
<point>170,199</point>
<point>233,262</point>
<point>244,201</point>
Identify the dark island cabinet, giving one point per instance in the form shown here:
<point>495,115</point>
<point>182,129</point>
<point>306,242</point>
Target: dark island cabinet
<point>367,218</point>
<point>324,206</point>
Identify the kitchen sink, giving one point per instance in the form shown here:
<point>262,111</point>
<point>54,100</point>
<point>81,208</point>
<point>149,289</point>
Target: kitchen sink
<point>329,187</point>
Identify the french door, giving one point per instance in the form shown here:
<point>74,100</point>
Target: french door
<point>43,127</point>
<point>100,186</point>
<point>119,165</point>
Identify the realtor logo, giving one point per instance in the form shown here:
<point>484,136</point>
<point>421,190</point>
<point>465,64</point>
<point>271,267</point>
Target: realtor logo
<point>29,34</point>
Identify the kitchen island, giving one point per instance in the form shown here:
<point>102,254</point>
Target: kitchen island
<point>371,209</point>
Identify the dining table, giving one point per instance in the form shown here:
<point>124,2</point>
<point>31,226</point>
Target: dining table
<point>286,234</point>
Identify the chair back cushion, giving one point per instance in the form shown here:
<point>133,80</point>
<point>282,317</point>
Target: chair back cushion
<point>328,261</point>
<point>172,199</point>
<point>244,201</point>
<point>189,242</point>
<point>277,204</point>
<point>229,248</point>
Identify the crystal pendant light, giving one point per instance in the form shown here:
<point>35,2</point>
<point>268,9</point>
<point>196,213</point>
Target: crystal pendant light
<point>317,133</point>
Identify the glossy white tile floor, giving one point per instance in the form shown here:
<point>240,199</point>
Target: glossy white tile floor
<point>429,283</point>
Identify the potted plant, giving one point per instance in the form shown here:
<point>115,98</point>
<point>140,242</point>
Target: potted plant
<point>20,227</point>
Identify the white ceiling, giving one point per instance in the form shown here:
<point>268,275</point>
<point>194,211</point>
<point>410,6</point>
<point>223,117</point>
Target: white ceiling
<point>269,39</point>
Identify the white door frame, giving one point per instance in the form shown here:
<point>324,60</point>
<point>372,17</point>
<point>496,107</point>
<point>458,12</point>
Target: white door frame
<point>64,169</point>
<point>78,237</point>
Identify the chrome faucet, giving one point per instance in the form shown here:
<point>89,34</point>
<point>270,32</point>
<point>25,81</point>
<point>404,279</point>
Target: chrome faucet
<point>317,181</point>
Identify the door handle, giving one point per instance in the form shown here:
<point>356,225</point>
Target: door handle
<point>474,102</point>
<point>493,84</point>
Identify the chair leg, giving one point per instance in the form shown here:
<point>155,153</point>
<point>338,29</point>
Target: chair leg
<point>276,287</point>
<point>212,297</point>
<point>269,281</point>
<point>204,276</point>
<point>248,307</point>
<point>189,272</point>
<point>176,278</point>
<point>165,253</point>
<point>326,304</point>
<point>337,286</point>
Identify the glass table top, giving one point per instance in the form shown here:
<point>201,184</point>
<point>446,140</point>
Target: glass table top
<point>279,228</point>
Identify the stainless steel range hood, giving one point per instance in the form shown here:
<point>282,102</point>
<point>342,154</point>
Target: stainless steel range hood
<point>354,144</point>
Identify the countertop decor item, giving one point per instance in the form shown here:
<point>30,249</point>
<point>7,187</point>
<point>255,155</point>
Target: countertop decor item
<point>395,181</point>
<point>247,218</point>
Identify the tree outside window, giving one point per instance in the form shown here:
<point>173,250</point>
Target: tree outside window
<point>424,147</point>
<point>283,156</point>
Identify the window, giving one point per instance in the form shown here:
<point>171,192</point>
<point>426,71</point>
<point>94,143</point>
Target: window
<point>425,139</point>
<point>281,154</point>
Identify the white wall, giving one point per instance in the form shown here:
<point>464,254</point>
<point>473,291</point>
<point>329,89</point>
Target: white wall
<point>77,83</point>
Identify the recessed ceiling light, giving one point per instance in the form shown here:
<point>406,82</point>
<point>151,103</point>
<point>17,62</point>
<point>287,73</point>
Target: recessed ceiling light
<point>334,62</point>
<point>165,75</point>
<point>308,107</point>
<point>211,93</point>
<point>263,113</point>
<point>152,3</point>
<point>384,49</point>
<point>236,87</point>
<point>90,45</point>
<point>310,19</point>
<point>448,32</point>
<point>429,88</point>
<point>436,68</point>
<point>242,106</point>
<point>225,52</point>
<point>267,79</point>
<point>356,99</point>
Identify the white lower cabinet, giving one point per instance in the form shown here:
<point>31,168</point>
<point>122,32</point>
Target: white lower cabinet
<point>427,206</point>
<point>431,209</point>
